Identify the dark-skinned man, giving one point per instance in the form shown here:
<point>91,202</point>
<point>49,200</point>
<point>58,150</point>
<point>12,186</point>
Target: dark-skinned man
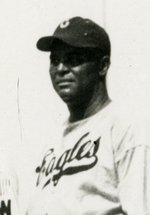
<point>98,167</point>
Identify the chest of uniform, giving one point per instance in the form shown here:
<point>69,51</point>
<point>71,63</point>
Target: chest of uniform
<point>77,154</point>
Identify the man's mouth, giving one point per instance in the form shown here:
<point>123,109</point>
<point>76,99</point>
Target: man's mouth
<point>64,82</point>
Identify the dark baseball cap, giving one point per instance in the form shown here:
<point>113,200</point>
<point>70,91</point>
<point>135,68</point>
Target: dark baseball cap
<point>77,32</point>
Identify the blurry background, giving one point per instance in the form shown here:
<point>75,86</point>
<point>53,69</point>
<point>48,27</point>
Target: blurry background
<point>30,111</point>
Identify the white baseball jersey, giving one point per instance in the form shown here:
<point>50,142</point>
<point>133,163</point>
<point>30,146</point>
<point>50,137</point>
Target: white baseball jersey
<point>8,188</point>
<point>98,167</point>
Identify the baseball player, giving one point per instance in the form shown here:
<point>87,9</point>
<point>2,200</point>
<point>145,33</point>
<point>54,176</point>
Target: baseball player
<point>98,165</point>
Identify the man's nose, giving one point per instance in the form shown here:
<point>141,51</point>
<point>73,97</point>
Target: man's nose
<point>62,68</point>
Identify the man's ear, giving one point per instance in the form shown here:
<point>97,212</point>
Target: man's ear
<point>104,65</point>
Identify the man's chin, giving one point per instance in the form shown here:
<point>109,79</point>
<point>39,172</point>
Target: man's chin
<point>69,96</point>
<point>65,96</point>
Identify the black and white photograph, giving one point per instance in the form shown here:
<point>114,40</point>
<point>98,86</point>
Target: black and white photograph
<point>75,107</point>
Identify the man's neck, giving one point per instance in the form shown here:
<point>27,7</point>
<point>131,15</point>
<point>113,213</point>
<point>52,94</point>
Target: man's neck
<point>90,106</point>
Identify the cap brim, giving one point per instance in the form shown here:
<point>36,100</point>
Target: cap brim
<point>45,43</point>
<point>50,43</point>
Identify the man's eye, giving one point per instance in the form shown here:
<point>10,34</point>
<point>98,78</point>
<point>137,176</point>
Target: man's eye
<point>75,60</point>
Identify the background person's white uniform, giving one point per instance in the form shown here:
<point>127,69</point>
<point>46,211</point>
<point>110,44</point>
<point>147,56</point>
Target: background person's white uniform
<point>8,187</point>
<point>100,166</point>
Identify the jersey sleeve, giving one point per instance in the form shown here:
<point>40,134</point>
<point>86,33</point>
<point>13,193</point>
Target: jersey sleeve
<point>132,160</point>
<point>8,189</point>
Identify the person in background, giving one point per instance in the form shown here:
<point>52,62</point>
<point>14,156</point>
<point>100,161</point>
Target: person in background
<point>8,187</point>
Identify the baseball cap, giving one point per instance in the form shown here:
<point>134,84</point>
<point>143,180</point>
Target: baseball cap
<point>77,32</point>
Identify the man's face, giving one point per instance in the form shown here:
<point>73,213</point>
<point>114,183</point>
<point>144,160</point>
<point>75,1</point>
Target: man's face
<point>74,73</point>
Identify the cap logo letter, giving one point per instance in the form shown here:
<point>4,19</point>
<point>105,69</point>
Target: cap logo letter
<point>64,24</point>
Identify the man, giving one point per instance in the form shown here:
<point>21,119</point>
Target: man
<point>98,166</point>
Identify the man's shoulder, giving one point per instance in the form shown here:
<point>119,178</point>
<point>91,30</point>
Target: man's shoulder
<point>129,128</point>
<point>115,114</point>
<point>122,112</point>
